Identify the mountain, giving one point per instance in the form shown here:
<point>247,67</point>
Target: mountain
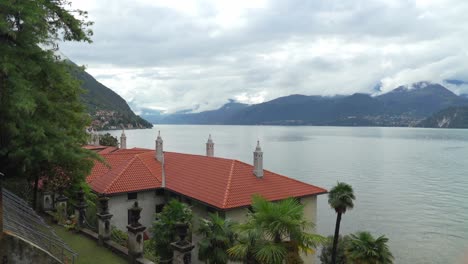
<point>421,100</point>
<point>404,106</point>
<point>107,109</point>
<point>452,117</point>
<point>218,116</point>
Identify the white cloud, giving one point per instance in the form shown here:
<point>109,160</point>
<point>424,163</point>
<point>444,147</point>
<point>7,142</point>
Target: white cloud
<point>177,55</point>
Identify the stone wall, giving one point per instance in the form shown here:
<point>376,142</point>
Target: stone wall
<point>16,250</point>
<point>119,205</point>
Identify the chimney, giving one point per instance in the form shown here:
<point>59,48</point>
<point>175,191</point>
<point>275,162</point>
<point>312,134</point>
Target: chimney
<point>123,140</point>
<point>209,147</point>
<point>94,138</point>
<point>258,161</point>
<point>159,148</point>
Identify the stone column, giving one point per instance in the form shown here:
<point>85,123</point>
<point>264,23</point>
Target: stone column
<point>135,234</point>
<point>47,198</point>
<point>80,209</point>
<point>104,228</point>
<point>182,248</point>
<point>61,207</point>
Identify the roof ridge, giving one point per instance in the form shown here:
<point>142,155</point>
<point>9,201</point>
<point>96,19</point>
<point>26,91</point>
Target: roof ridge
<point>144,164</point>
<point>200,155</point>
<point>228,186</point>
<point>295,180</point>
<point>120,173</point>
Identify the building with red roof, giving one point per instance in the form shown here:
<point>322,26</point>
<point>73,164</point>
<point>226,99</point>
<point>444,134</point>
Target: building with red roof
<point>206,182</point>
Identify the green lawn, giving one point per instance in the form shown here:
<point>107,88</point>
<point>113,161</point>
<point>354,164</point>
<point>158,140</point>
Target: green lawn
<point>88,250</point>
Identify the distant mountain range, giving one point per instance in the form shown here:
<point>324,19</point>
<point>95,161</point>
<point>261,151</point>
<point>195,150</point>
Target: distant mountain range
<point>452,117</point>
<point>107,109</point>
<point>401,107</point>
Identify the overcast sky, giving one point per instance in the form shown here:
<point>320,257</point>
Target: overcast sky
<point>175,55</point>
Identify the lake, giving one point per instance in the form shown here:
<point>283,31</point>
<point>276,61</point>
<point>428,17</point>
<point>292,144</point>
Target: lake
<point>411,184</point>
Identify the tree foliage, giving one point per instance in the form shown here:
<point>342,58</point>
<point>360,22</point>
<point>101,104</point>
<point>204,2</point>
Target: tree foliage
<point>363,248</point>
<point>218,236</point>
<point>327,248</point>
<point>164,227</point>
<point>340,198</point>
<point>42,120</point>
<point>272,230</point>
<point>108,140</point>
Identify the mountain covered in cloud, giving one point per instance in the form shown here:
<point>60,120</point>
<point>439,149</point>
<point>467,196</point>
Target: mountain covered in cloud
<point>403,106</point>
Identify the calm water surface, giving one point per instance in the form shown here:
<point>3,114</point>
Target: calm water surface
<point>411,184</point>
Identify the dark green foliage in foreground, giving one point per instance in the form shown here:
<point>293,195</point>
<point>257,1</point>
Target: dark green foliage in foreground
<point>164,227</point>
<point>326,254</point>
<point>360,247</point>
<point>42,121</point>
<point>108,140</point>
<point>340,198</point>
<point>363,248</point>
<point>218,237</point>
<point>274,233</point>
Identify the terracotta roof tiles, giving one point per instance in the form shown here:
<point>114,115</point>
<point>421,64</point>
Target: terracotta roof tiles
<point>219,182</point>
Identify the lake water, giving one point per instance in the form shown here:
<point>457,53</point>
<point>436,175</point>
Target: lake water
<point>411,184</point>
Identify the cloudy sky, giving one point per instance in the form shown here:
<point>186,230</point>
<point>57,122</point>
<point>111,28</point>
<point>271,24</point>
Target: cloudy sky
<point>173,55</point>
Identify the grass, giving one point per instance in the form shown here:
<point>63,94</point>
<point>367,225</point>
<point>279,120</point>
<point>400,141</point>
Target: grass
<point>88,250</point>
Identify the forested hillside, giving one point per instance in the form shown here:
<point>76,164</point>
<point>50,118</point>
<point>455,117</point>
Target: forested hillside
<point>107,109</point>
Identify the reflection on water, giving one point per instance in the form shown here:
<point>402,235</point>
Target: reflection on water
<point>411,184</point>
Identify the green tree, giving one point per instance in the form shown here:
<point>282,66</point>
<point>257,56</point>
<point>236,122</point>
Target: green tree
<point>275,232</point>
<point>108,140</point>
<point>327,249</point>
<point>218,237</point>
<point>42,120</point>
<point>363,248</point>
<point>164,227</point>
<point>340,198</point>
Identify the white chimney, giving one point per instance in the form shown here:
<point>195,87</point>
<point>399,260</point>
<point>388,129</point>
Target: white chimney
<point>159,148</point>
<point>258,161</point>
<point>95,138</point>
<point>209,147</point>
<point>123,140</point>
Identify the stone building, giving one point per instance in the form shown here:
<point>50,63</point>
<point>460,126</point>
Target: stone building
<point>206,182</point>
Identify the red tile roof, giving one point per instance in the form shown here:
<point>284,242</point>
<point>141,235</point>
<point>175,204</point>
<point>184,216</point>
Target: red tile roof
<point>219,182</point>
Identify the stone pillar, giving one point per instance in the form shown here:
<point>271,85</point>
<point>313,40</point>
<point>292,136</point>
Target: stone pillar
<point>104,227</point>
<point>80,209</point>
<point>61,207</point>
<point>47,198</point>
<point>135,234</point>
<point>182,248</point>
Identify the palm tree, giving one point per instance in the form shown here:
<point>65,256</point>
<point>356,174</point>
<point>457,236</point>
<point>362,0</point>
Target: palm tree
<point>341,199</point>
<point>362,248</point>
<point>272,231</point>
<point>218,237</point>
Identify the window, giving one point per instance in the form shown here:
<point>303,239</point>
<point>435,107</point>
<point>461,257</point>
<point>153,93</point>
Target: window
<point>159,208</point>
<point>132,196</point>
<point>129,213</point>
